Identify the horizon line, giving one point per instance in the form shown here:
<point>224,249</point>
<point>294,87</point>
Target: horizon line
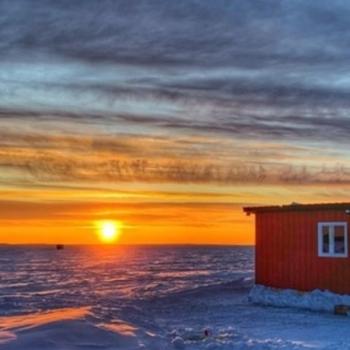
<point>129,244</point>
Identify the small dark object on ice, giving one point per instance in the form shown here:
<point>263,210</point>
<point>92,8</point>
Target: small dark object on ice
<point>342,310</point>
<point>206,333</point>
<point>59,246</point>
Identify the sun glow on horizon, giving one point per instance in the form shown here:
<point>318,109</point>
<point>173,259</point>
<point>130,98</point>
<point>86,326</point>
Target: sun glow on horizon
<point>109,231</point>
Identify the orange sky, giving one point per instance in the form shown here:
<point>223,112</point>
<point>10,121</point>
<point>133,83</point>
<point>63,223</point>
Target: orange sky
<point>151,214</point>
<point>55,186</point>
<point>147,217</point>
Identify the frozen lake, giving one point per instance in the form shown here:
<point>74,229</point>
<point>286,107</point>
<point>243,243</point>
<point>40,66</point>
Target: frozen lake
<point>147,298</point>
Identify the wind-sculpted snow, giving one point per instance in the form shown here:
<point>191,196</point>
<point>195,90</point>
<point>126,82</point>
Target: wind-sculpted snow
<point>316,300</point>
<point>148,298</point>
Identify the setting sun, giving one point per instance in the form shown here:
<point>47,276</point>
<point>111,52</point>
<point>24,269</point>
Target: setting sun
<point>108,231</point>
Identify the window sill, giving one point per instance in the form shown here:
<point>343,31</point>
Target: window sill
<point>333,255</point>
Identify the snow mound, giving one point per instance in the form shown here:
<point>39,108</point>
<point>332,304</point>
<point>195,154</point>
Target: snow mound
<point>317,300</point>
<point>228,338</point>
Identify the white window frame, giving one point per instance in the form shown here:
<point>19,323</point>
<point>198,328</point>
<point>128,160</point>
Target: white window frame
<point>331,225</point>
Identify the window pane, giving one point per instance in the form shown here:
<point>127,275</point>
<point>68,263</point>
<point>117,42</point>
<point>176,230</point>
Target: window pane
<point>339,240</point>
<point>325,239</point>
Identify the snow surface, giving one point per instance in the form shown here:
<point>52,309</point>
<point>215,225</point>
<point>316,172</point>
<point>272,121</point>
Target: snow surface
<point>152,299</point>
<point>179,321</point>
<point>316,300</point>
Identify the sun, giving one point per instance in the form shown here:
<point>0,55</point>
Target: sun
<point>108,231</point>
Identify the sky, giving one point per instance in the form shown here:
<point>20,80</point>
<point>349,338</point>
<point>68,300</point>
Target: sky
<point>169,116</point>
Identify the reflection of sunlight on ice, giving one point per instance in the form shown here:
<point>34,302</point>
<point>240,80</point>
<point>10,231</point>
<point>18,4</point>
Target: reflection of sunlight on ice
<point>22,322</point>
<point>68,328</point>
<point>120,327</point>
<point>7,337</point>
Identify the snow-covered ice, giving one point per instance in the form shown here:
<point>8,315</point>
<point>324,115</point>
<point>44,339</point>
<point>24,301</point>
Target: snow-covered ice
<point>155,301</point>
<point>317,300</point>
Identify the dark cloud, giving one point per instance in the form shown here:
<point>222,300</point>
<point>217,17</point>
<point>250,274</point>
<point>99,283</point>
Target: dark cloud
<point>226,121</point>
<point>158,32</point>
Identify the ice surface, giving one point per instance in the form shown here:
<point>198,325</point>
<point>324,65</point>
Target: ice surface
<point>110,301</point>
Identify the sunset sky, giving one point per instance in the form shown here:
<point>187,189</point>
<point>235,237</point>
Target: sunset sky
<point>169,116</point>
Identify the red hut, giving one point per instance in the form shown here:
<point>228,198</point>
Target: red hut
<point>303,246</point>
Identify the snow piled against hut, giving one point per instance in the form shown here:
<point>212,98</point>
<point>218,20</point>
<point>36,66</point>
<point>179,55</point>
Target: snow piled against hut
<point>316,300</point>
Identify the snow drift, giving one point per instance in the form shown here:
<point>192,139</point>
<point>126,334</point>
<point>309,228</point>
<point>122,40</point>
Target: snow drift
<point>317,300</point>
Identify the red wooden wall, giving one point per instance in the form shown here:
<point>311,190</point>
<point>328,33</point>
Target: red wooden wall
<point>287,252</point>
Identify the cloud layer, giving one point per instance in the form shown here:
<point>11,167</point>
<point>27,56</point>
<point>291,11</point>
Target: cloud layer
<point>251,69</point>
<point>187,92</point>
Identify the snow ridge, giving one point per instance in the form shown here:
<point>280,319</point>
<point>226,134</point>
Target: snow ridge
<point>316,300</point>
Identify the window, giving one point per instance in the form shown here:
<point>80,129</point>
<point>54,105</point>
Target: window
<point>333,239</point>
